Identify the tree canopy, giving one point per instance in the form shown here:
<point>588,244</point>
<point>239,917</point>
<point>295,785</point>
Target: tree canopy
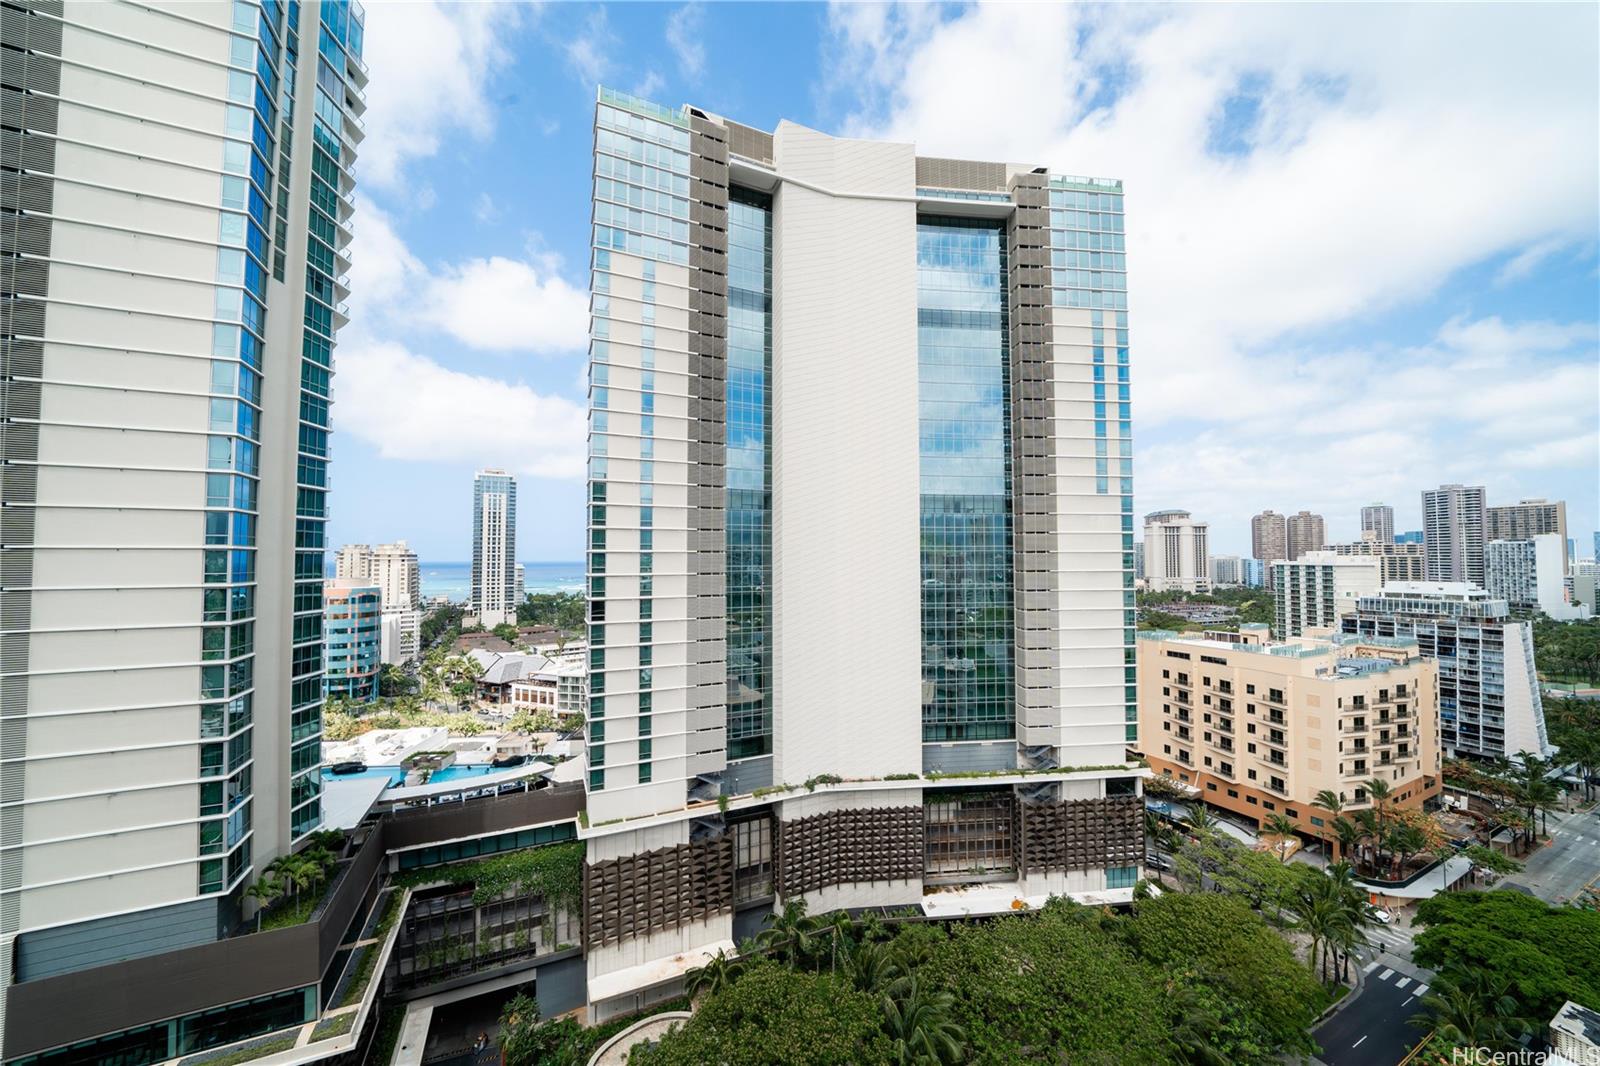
<point>1544,955</point>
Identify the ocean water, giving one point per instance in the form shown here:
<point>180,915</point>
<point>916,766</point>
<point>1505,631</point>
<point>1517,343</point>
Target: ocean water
<point>454,580</point>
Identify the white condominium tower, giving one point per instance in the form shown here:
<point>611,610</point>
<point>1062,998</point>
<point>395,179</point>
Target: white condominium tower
<point>1528,519</point>
<point>494,547</point>
<point>1453,532</point>
<point>1177,557</point>
<point>175,213</point>
<point>860,494</point>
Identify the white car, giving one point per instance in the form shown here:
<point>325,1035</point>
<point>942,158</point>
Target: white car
<point>1382,915</point>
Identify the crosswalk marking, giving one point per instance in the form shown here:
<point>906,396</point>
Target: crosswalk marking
<point>1402,982</point>
<point>1373,965</point>
<point>1419,990</point>
<point>1385,975</point>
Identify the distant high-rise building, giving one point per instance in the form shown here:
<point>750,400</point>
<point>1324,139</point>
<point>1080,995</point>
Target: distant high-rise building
<point>519,590</point>
<point>1410,536</point>
<point>395,570</point>
<point>494,547</point>
<point>775,286</point>
<point>1378,518</point>
<point>1596,546</point>
<point>1227,570</point>
<point>175,220</point>
<point>1177,556</point>
<point>1489,702</point>
<point>1306,532</point>
<point>1399,562</point>
<point>1253,572</point>
<point>1269,539</point>
<point>1527,519</point>
<point>1454,522</point>
<point>1315,590</point>
<point>1585,578</point>
<point>352,621</point>
<point>1529,576</point>
<point>1138,559</point>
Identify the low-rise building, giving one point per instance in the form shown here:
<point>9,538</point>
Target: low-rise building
<point>1489,702</point>
<point>1313,591</point>
<point>1262,727</point>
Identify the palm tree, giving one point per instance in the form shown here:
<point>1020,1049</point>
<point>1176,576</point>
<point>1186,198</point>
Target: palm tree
<point>1200,819</point>
<point>919,1026</point>
<point>1280,826</point>
<point>1194,1025</point>
<point>1329,801</point>
<point>1470,1012</point>
<point>1349,836</point>
<point>1371,830</point>
<point>838,927</point>
<point>789,933</point>
<point>718,973</point>
<point>265,890</point>
<point>872,967</point>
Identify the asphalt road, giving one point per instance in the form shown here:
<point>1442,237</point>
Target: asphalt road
<point>1557,871</point>
<point>1374,1030</point>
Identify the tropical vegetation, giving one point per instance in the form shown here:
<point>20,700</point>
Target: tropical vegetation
<point>563,610</point>
<point>284,892</point>
<point>1568,651</point>
<point>1180,979</point>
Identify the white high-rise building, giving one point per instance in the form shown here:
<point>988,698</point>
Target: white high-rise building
<point>1529,576</point>
<point>1177,556</point>
<point>1315,590</point>
<point>961,557</point>
<point>175,217</point>
<point>1227,570</point>
<point>394,569</point>
<point>494,547</point>
<point>1489,701</point>
<point>1454,520</point>
<point>1527,519</point>
<point>1378,519</point>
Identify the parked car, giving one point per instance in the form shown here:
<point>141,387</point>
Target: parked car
<point>1157,862</point>
<point>1382,915</point>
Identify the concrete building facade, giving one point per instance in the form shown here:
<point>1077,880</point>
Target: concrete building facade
<point>494,548</point>
<point>1378,519</point>
<point>175,217</point>
<point>1454,522</point>
<point>1306,532</point>
<point>1530,576</point>
<point>1261,727</point>
<point>1177,554</point>
<point>1527,519</point>
<point>753,291</point>
<point>1397,562</point>
<point>1269,539</point>
<point>1312,592</point>
<point>1227,570</point>
<point>1489,701</point>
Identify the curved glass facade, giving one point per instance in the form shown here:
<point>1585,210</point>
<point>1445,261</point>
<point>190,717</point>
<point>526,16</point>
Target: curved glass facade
<point>968,669</point>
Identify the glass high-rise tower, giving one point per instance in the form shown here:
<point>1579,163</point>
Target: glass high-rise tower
<point>175,209</point>
<point>860,520</point>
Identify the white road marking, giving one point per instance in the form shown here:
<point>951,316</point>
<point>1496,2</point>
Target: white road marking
<point>1385,975</point>
<point>1408,1001</point>
<point>1402,982</point>
<point>1420,990</point>
<point>1373,965</point>
<point>1358,1043</point>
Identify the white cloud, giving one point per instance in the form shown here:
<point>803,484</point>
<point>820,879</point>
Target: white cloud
<point>648,86</point>
<point>506,305</point>
<point>412,408</point>
<point>1379,164</point>
<point>589,53</point>
<point>430,63</point>
<point>484,209</point>
<point>1524,262</point>
<point>684,27</point>
<point>492,304</point>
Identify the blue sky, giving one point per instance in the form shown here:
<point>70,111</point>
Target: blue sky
<point>1358,265</point>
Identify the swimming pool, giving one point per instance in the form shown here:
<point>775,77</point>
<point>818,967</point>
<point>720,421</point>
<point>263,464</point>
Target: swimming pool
<point>396,776</point>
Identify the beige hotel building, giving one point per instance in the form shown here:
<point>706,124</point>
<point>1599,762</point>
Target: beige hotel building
<point>1261,727</point>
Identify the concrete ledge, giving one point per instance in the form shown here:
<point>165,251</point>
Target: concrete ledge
<point>633,1033</point>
